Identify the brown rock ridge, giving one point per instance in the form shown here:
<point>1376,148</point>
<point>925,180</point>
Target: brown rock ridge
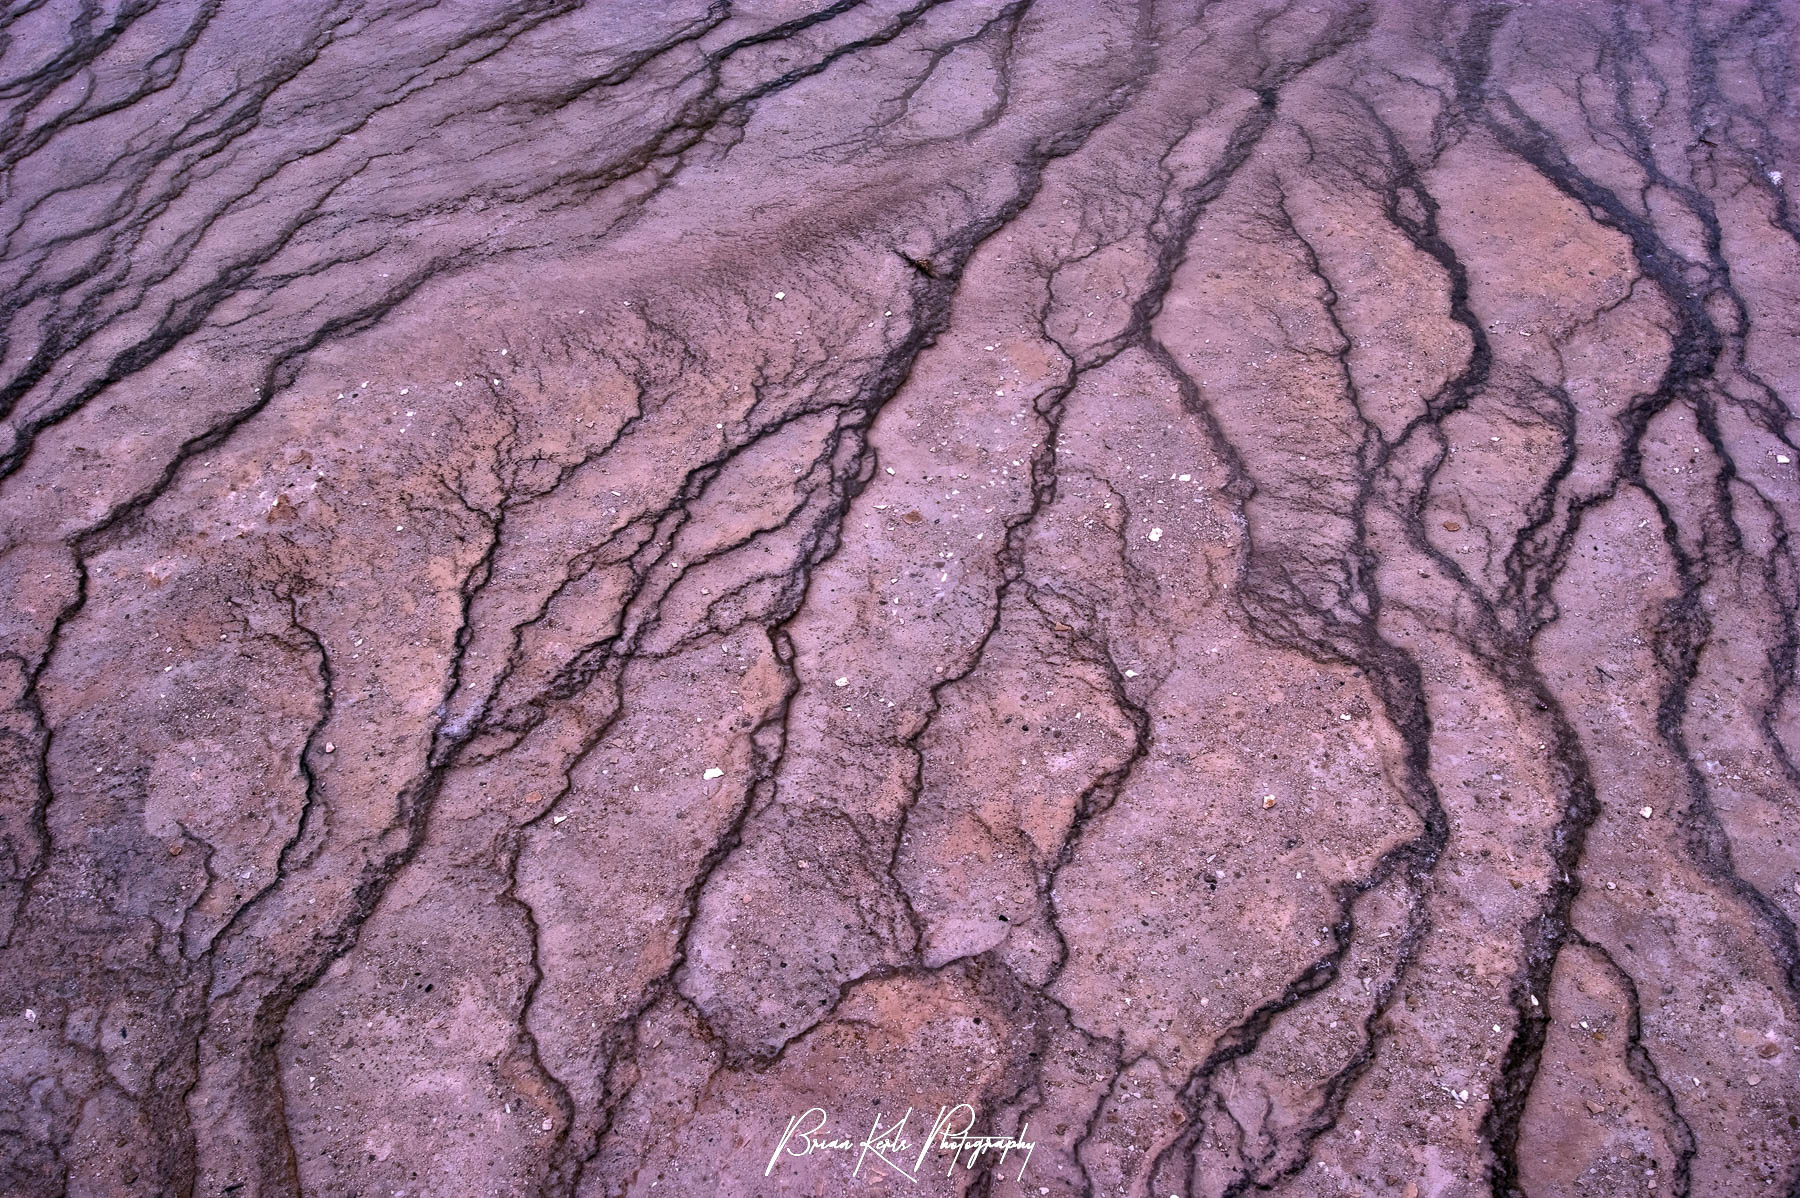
<point>1213,581</point>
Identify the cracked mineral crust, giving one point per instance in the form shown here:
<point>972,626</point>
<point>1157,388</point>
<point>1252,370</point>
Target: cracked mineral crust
<point>629,598</point>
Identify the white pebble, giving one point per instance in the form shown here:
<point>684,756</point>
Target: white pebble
<point>714,772</point>
<point>1156,534</point>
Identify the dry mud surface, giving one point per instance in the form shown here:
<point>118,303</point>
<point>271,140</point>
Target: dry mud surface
<point>1213,581</point>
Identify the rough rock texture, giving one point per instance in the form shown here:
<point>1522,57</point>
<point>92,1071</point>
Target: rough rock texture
<point>1214,580</point>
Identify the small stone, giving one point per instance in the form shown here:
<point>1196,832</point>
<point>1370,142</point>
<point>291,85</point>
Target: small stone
<point>914,517</point>
<point>1768,1050</point>
<point>781,295</point>
<point>1595,1108</point>
<point>30,1015</point>
<point>1754,1079</point>
<point>714,772</point>
<point>1646,812</point>
<point>1268,802</point>
<point>843,682</point>
<point>1782,458</point>
<point>330,748</point>
<point>1156,534</point>
<point>1187,478</point>
<point>1452,526</point>
<point>557,819</point>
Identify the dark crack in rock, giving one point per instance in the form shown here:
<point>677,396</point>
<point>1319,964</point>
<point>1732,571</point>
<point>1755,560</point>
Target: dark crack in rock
<point>1213,581</point>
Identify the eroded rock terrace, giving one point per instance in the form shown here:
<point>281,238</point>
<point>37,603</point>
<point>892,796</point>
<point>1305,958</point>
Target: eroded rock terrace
<point>1213,579</point>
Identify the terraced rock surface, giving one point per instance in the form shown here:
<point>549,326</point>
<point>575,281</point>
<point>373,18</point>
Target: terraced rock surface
<point>1213,581</point>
